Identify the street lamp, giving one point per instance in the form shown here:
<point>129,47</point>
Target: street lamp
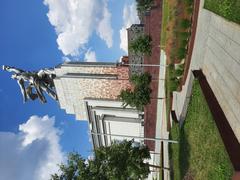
<point>136,137</point>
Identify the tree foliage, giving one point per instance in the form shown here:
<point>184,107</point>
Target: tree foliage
<point>141,45</point>
<point>144,5</point>
<point>140,96</point>
<point>120,161</point>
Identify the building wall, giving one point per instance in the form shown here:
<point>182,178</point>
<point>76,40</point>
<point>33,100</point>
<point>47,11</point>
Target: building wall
<point>110,118</point>
<point>134,32</point>
<point>91,68</point>
<point>75,82</point>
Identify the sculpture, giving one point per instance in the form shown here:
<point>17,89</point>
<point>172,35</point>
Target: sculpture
<point>41,81</point>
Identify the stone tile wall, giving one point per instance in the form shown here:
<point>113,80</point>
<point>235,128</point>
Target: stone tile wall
<point>72,89</point>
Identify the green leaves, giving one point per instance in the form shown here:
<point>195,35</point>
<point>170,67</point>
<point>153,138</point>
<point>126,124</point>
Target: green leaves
<point>140,96</point>
<point>141,45</point>
<point>144,5</point>
<point>76,168</point>
<point>120,161</point>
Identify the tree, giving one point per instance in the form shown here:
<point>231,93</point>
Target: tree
<point>141,45</point>
<point>76,168</point>
<point>144,5</point>
<point>140,96</point>
<point>120,161</point>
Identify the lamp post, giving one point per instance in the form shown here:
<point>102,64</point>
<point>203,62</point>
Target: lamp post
<point>136,137</point>
<point>144,65</point>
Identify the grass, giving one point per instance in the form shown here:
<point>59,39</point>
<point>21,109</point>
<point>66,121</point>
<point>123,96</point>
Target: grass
<point>165,18</point>
<point>180,15</point>
<point>171,84</point>
<point>229,9</point>
<point>175,35</point>
<point>200,153</point>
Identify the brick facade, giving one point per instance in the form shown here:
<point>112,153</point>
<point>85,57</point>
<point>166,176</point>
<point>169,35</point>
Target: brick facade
<point>78,81</point>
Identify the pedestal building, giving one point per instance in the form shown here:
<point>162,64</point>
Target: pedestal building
<point>90,90</point>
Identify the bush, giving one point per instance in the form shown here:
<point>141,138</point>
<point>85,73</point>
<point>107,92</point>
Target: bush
<point>183,43</point>
<point>190,10</point>
<point>174,83</point>
<point>142,80</point>
<point>181,66</point>
<point>140,96</point>
<point>185,24</point>
<point>141,45</point>
<point>188,2</point>
<point>179,72</point>
<point>184,35</point>
<point>144,5</point>
<point>181,53</point>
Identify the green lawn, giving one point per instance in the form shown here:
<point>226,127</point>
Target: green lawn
<point>165,17</point>
<point>200,153</point>
<point>229,9</point>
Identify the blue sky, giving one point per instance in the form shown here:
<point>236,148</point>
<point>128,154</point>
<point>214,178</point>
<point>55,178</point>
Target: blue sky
<point>39,34</point>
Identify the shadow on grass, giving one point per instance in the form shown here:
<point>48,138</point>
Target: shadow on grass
<point>184,153</point>
<point>182,157</point>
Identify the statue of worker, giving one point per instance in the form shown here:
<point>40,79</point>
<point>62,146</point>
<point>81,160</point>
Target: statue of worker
<point>42,81</point>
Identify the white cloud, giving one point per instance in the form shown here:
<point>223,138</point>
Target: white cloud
<point>33,153</point>
<point>129,17</point>
<point>66,59</point>
<point>90,56</point>
<point>104,28</point>
<point>76,20</point>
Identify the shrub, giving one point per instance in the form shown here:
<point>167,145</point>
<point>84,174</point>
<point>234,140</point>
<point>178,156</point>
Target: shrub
<point>181,66</point>
<point>190,10</point>
<point>185,24</point>
<point>188,2</point>
<point>140,96</point>
<point>142,80</point>
<point>181,53</point>
<point>144,5</point>
<point>179,72</point>
<point>183,43</point>
<point>184,35</point>
<point>141,45</point>
<point>174,83</point>
<point>128,97</point>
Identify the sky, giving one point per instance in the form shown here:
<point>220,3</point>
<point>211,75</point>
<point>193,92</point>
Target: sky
<point>37,34</point>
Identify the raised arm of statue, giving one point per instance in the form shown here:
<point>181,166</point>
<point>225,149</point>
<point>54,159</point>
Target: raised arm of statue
<point>12,69</point>
<point>42,72</point>
<point>41,80</point>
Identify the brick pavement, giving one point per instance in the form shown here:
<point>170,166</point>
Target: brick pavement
<point>152,24</point>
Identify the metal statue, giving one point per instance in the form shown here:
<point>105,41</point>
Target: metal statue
<point>38,82</point>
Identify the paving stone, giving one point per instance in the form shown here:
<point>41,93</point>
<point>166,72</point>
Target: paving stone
<point>217,52</point>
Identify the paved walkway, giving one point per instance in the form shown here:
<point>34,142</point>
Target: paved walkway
<point>217,52</point>
<point>152,27</point>
<point>161,122</point>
